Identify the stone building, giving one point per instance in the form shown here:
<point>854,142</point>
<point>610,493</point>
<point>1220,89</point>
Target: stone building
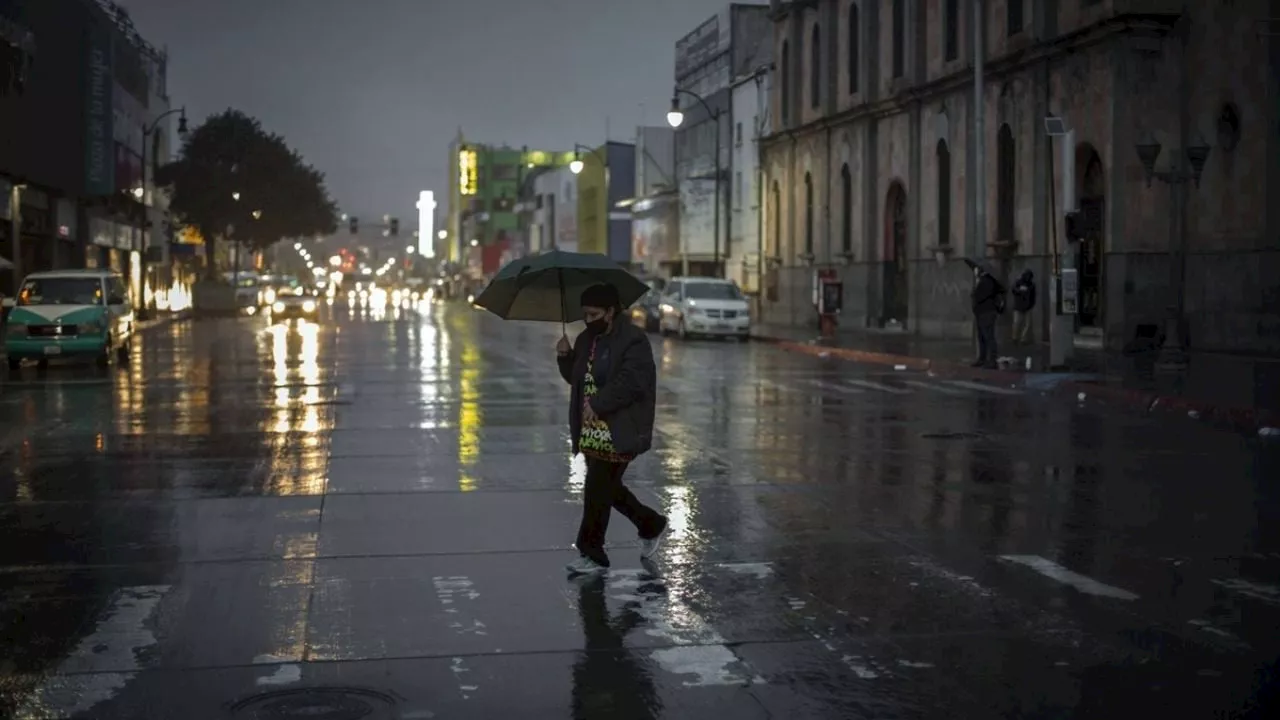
<point>871,168</point>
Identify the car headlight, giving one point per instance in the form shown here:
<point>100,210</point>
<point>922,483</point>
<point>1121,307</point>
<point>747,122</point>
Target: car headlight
<point>17,329</point>
<point>278,307</point>
<point>90,328</point>
<point>309,306</point>
<point>694,311</point>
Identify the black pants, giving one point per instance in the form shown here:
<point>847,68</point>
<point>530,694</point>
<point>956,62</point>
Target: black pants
<point>987,352</point>
<point>603,493</point>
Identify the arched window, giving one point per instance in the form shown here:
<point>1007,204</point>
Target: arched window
<point>846,210</point>
<point>899,38</point>
<point>1006,176</point>
<point>944,194</point>
<point>815,68</point>
<point>808,214</point>
<point>951,26</point>
<point>784,87</point>
<point>854,50</point>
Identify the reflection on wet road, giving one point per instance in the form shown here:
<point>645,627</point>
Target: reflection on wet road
<point>369,518</point>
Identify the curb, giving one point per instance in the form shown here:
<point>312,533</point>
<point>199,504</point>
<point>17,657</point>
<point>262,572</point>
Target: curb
<point>1244,419</point>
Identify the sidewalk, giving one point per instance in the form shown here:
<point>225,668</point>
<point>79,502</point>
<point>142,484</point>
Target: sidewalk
<point>1239,391</point>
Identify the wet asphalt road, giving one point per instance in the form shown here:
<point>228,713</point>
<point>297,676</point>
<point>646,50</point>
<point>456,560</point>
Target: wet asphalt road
<point>369,519</point>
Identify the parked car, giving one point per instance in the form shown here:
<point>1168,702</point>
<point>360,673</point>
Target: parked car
<point>647,312</point>
<point>705,306</point>
<point>70,313</point>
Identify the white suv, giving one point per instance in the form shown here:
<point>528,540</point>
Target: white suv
<point>704,306</point>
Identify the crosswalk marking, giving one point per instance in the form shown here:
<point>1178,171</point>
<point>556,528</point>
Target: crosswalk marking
<point>878,386</point>
<point>983,388</point>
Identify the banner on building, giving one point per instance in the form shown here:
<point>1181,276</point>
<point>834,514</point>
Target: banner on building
<point>99,172</point>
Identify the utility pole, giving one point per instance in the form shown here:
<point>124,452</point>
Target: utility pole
<point>15,231</point>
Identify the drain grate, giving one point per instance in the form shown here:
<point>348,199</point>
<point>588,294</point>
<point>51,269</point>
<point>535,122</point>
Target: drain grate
<point>316,704</point>
<point>953,436</point>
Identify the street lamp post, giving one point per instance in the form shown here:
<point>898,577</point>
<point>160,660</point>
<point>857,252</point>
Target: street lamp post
<point>1186,167</point>
<point>675,118</point>
<point>141,192</point>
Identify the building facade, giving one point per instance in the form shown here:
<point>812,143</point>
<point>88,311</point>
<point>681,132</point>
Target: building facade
<point>607,179</point>
<point>485,182</point>
<point>733,42</point>
<point>750,97</point>
<point>74,139</point>
<point>655,218</point>
<point>874,169</point>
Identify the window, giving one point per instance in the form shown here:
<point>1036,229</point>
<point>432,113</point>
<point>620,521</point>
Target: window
<point>846,210</point>
<point>1013,17</point>
<point>777,217</point>
<point>808,214</point>
<point>899,38</point>
<point>62,291</point>
<point>853,48</point>
<point>737,134</point>
<point>784,87</point>
<point>712,290</point>
<point>944,194</point>
<point>737,188</point>
<point>1006,172</point>
<point>951,26</point>
<point>815,69</point>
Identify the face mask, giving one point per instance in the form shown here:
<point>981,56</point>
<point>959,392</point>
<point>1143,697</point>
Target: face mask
<point>598,326</point>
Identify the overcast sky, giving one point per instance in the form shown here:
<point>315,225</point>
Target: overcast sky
<point>372,91</point>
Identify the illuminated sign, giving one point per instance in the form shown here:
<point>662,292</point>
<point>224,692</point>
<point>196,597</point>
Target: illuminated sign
<point>427,224</point>
<point>467,172</point>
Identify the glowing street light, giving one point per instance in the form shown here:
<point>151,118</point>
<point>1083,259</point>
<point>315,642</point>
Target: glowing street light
<point>475,242</point>
<point>409,249</point>
<point>675,116</point>
<point>442,234</point>
<point>235,196</point>
<point>335,260</point>
<point>575,166</point>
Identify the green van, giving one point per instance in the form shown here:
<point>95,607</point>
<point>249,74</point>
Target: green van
<point>70,313</point>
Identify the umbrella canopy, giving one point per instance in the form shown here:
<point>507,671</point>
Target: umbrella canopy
<point>546,287</point>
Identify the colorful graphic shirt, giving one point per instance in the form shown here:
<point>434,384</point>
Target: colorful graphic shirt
<point>596,441</point>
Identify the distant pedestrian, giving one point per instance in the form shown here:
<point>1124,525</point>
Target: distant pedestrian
<point>614,388</point>
<point>988,303</point>
<point>1024,301</point>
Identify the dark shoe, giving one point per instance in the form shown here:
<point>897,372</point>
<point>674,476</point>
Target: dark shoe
<point>977,363</point>
<point>585,566</point>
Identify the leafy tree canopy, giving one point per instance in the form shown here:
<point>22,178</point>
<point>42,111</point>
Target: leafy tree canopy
<point>230,155</point>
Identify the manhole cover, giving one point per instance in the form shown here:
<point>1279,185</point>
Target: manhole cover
<point>315,704</point>
<point>953,436</point>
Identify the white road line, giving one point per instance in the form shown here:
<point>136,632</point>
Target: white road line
<point>1054,571</point>
<point>878,386</point>
<point>936,388</point>
<point>838,388</point>
<point>983,388</point>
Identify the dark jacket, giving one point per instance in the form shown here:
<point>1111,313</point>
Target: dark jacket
<point>1024,292</point>
<point>986,295</point>
<point>626,381</point>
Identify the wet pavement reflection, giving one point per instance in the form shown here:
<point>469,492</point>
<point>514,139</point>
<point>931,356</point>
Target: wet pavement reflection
<point>368,516</point>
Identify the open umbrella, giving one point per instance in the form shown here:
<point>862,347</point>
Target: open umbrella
<point>546,287</point>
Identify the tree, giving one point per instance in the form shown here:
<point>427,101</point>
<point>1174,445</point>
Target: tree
<point>230,156</point>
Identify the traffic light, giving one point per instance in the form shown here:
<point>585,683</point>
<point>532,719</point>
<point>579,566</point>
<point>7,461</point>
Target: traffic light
<point>394,226</point>
<point>354,224</point>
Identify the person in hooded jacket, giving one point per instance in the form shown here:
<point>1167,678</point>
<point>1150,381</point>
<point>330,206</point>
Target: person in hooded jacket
<point>612,402</point>
<point>988,303</point>
<point>1024,301</point>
